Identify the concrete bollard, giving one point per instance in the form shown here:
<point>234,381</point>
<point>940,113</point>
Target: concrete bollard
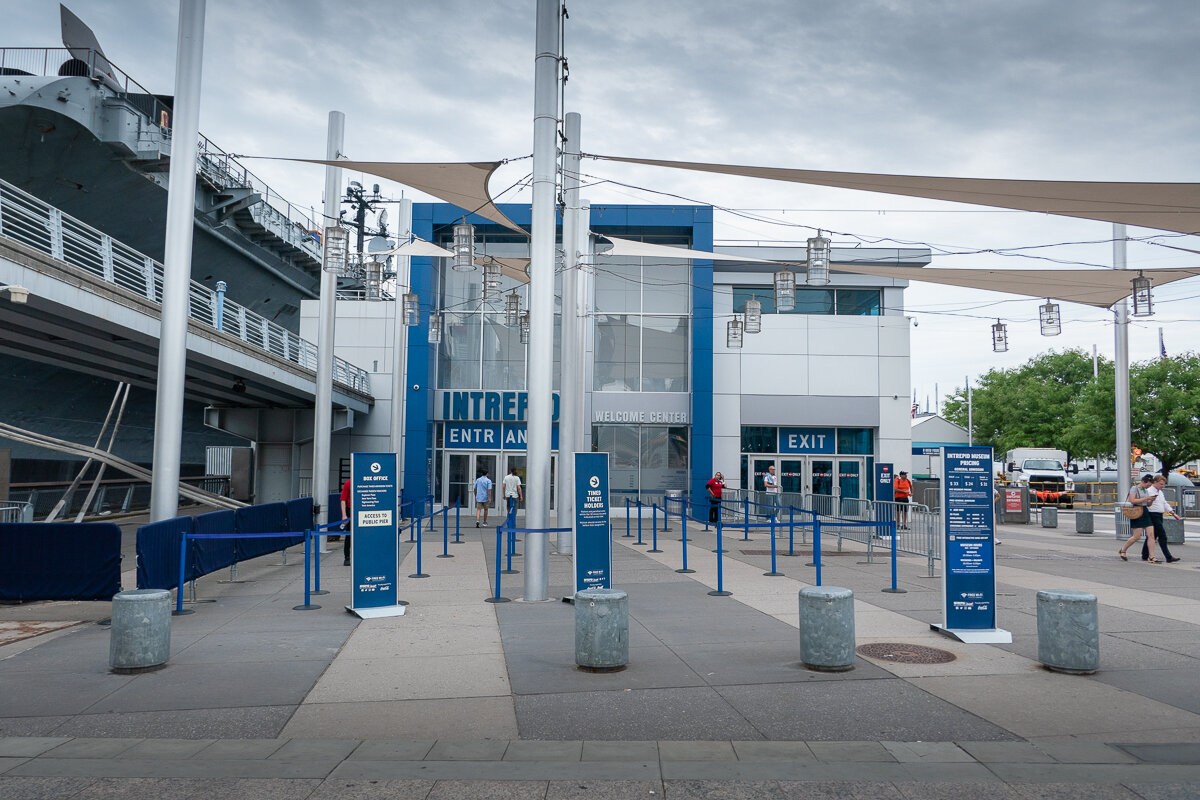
<point>602,629</point>
<point>1049,517</point>
<point>1173,528</point>
<point>1068,626</point>
<point>827,628</point>
<point>140,636</point>
<point>1085,522</point>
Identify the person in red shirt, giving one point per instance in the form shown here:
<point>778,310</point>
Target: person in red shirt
<point>902,491</point>
<point>346,524</point>
<point>714,487</point>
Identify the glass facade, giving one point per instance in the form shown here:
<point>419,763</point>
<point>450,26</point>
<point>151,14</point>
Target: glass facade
<point>844,302</point>
<point>645,459</point>
<point>642,333</point>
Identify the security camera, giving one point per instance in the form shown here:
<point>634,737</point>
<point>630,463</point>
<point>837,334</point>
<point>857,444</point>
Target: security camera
<point>916,322</point>
<point>416,387</point>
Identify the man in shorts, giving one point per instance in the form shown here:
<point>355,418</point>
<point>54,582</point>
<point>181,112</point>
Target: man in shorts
<point>483,496</point>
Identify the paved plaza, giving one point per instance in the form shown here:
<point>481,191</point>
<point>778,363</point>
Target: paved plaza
<point>462,698</point>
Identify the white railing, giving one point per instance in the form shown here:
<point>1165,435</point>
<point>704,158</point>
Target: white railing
<point>26,219</point>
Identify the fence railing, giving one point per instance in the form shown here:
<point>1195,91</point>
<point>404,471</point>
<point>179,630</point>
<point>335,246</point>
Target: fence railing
<point>26,219</point>
<point>114,496</point>
<point>11,511</point>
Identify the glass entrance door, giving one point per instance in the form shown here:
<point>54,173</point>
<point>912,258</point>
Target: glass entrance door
<point>513,460</point>
<point>850,485</point>
<point>458,479</point>
<point>822,485</point>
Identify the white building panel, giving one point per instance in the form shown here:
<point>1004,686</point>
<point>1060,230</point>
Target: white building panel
<point>850,376</point>
<point>843,336</point>
<point>775,374</point>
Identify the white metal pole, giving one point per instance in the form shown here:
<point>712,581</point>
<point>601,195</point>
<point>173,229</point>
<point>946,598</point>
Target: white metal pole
<point>541,296</point>
<point>1121,364</point>
<point>571,366</point>
<point>177,262</point>
<point>400,335</point>
<point>323,413</point>
<point>1095,363</point>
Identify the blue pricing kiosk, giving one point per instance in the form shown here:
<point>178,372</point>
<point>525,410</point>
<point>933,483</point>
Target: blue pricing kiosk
<point>373,548</point>
<point>968,547</point>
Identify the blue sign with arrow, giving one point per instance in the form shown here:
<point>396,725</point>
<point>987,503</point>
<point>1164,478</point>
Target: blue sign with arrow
<point>593,541</point>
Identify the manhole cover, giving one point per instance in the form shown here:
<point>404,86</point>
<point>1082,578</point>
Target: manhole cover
<point>901,653</point>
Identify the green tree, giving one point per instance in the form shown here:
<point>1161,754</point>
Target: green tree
<point>1033,405</point>
<point>1164,415</point>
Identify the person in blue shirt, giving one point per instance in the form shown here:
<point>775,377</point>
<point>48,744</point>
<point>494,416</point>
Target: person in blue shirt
<point>483,496</point>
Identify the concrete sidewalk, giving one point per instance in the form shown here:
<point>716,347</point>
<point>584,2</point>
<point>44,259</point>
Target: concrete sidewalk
<point>462,698</point>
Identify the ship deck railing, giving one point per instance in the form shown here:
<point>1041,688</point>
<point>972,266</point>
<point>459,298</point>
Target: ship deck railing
<point>293,224</point>
<point>36,224</point>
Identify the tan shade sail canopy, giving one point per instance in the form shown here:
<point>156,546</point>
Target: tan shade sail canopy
<point>461,184</point>
<point>417,247</point>
<point>515,268</point>
<point>629,247</point>
<point>1091,287</point>
<point>1165,206</point>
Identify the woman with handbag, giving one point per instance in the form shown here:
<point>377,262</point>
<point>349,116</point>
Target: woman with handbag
<point>1140,523</point>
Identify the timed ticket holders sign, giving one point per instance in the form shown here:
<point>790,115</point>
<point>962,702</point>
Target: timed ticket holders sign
<point>373,548</point>
<point>593,540</point>
<point>968,547</point>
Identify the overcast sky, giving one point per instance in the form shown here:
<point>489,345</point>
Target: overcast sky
<point>1062,90</point>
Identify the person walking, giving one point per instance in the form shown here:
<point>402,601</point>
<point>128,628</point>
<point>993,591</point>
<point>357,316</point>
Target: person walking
<point>714,486</point>
<point>1157,508</point>
<point>483,496</point>
<point>902,493</point>
<point>514,493</point>
<point>1141,525</point>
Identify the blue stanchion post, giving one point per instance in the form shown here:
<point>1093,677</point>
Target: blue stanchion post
<point>774,573</point>
<point>720,551</point>
<point>791,531</point>
<point>894,589</point>
<point>457,514</point>
<point>511,532</point>
<point>627,533</point>
<point>654,532</point>
<point>308,604</point>
<point>496,598</point>
<point>179,610</point>
<point>683,518</point>
<point>445,533</point>
<point>746,516</point>
<point>417,523</point>
<point>639,512</point>
<point>817,546</point>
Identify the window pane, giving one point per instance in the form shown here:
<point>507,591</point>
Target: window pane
<point>458,353</point>
<point>763,294</point>
<point>664,354</point>
<point>858,302</point>
<point>460,289</point>
<point>660,447</point>
<point>503,354</point>
<point>814,301</point>
<point>618,345</point>
<point>621,442</point>
<point>855,441</point>
<point>666,287</point>
<point>618,284</point>
<point>759,439</point>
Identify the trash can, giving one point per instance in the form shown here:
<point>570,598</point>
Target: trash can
<point>602,629</point>
<point>1049,517</point>
<point>1068,626</point>
<point>672,506</point>
<point>827,628</point>
<point>1174,529</point>
<point>1085,522</point>
<point>140,635</point>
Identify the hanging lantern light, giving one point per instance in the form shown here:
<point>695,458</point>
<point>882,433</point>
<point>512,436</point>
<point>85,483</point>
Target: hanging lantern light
<point>524,327</point>
<point>435,328</point>
<point>512,309</point>
<point>733,334</point>
<point>785,290</point>
<point>336,243</point>
<point>818,261</point>
<point>491,281</point>
<point>1000,337</point>
<point>410,313</point>
<point>1142,304</point>
<point>464,247</point>
<point>753,316</point>
<point>1050,318</point>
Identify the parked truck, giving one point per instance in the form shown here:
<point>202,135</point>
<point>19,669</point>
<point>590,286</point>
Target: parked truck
<point>1044,471</point>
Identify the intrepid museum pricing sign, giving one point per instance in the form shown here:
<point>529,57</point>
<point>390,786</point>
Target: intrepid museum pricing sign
<point>373,521</point>
<point>593,541</point>
<point>968,539</point>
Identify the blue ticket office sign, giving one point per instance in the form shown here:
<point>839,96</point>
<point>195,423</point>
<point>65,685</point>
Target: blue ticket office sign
<point>593,540</point>
<point>373,548</point>
<point>968,545</point>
